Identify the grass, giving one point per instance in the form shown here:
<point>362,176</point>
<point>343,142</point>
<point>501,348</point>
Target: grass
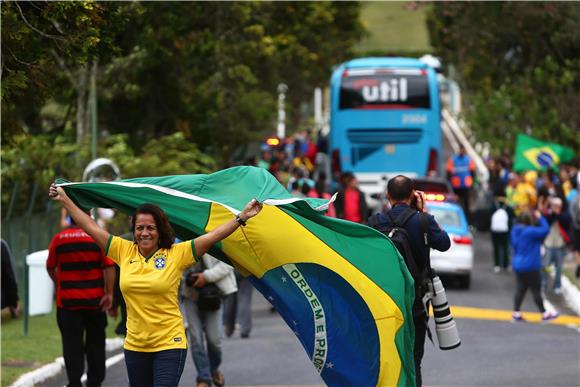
<point>21,354</point>
<point>394,27</point>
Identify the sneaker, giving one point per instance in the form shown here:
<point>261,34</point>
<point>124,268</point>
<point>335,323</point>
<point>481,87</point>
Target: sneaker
<point>550,315</point>
<point>517,317</point>
<point>496,269</point>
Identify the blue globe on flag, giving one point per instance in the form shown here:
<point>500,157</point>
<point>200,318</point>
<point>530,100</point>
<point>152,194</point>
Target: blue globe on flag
<point>545,159</point>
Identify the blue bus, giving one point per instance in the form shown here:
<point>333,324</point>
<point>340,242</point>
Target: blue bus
<point>384,120</point>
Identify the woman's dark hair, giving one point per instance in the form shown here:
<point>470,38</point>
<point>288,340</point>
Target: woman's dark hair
<point>166,235</point>
<point>526,218</point>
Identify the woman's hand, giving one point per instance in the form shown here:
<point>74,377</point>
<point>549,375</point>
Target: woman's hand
<point>204,242</point>
<point>56,193</point>
<point>250,210</point>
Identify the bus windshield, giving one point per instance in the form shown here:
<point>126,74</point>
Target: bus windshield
<point>384,89</point>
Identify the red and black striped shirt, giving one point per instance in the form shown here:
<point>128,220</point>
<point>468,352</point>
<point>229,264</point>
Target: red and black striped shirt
<point>79,262</point>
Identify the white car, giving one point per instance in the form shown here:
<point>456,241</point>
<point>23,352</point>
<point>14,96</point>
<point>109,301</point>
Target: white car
<point>458,260</point>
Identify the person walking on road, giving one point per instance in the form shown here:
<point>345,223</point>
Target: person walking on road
<point>84,280</point>
<point>350,202</point>
<point>238,308</point>
<point>151,268</point>
<point>461,174</point>
<point>501,224</point>
<point>410,204</point>
<point>526,238</point>
<point>204,322</point>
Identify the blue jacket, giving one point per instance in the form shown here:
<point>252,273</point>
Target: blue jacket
<point>526,242</point>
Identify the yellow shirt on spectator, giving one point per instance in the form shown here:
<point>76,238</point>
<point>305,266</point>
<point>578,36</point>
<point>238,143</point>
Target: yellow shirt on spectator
<point>149,286</point>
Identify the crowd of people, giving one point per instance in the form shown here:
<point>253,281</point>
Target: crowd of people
<point>538,213</point>
<point>549,194</point>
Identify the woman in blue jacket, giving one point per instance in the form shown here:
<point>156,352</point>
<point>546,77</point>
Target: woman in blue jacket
<point>527,237</point>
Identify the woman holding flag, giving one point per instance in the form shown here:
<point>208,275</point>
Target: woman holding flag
<point>151,268</point>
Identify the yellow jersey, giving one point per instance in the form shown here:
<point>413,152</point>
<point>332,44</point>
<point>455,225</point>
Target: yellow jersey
<point>150,286</point>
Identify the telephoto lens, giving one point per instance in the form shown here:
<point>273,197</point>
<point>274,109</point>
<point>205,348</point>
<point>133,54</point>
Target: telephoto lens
<point>445,327</point>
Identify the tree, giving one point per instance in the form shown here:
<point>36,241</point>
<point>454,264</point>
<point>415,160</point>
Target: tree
<point>34,162</point>
<point>175,79</point>
<point>210,70</point>
<point>44,44</point>
<point>518,65</point>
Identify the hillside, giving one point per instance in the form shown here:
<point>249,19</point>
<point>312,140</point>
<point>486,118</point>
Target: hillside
<point>394,28</point>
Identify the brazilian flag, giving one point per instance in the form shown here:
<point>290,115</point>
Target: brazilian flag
<point>533,154</point>
<point>341,287</point>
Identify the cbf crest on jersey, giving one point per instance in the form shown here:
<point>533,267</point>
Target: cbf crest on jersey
<point>160,262</point>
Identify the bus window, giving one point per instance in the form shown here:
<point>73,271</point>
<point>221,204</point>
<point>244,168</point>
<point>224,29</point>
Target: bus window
<point>397,89</point>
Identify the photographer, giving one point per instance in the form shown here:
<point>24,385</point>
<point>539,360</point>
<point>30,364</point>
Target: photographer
<point>202,289</point>
<point>405,200</point>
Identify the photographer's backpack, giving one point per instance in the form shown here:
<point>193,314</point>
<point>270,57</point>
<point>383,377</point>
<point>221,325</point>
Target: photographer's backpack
<point>394,229</point>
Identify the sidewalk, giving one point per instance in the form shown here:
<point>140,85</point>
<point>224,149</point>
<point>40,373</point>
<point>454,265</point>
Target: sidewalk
<point>570,288</point>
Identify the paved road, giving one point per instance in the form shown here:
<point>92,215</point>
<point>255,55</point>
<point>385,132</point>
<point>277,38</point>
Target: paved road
<point>493,352</point>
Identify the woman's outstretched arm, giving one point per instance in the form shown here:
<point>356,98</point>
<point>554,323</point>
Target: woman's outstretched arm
<point>81,218</point>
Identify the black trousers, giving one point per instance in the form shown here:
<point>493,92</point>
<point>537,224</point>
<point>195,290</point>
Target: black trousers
<point>83,336</point>
<point>533,281</point>
<point>501,249</point>
<point>463,194</point>
<point>419,349</point>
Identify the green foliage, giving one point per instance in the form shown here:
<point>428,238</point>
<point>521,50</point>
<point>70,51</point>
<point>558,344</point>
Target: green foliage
<point>35,160</point>
<point>518,66</point>
<point>168,155</point>
<point>35,37</point>
<point>39,160</point>
<point>211,70</point>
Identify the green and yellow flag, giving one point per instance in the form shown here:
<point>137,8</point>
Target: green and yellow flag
<point>533,154</point>
<point>341,287</point>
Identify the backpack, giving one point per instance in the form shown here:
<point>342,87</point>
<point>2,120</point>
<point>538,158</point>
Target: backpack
<point>500,220</point>
<point>395,230</point>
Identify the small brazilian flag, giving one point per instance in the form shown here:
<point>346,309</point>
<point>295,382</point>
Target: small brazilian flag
<point>533,154</point>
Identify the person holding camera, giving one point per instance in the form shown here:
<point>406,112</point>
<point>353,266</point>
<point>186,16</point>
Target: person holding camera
<point>202,289</point>
<point>409,212</point>
<point>151,268</point>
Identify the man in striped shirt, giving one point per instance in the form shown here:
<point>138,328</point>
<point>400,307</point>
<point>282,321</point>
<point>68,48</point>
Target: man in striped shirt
<point>84,279</point>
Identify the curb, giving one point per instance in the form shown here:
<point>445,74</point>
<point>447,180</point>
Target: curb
<point>571,295</point>
<point>39,375</point>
